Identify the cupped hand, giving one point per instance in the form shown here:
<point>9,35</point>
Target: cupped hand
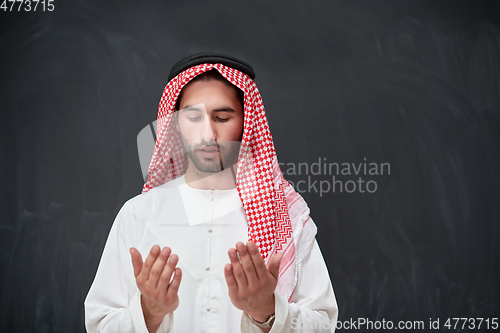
<point>154,279</point>
<point>251,284</point>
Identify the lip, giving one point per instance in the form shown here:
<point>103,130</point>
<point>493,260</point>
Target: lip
<point>208,153</point>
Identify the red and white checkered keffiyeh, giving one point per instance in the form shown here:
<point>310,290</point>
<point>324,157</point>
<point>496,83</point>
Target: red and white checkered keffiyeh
<point>276,214</point>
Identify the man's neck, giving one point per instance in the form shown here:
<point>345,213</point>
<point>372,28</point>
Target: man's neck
<point>223,180</point>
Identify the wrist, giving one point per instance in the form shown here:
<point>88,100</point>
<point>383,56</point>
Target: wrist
<point>264,325</point>
<point>264,312</point>
<point>259,317</point>
<point>152,319</point>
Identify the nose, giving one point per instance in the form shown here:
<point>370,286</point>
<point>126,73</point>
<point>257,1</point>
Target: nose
<point>208,134</point>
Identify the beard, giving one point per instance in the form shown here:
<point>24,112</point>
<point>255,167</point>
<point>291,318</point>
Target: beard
<point>227,155</point>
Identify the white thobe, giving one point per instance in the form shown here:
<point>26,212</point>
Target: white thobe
<point>200,226</point>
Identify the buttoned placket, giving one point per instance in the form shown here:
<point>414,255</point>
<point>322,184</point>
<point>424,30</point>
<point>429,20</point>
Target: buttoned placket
<point>210,235</point>
<point>217,221</point>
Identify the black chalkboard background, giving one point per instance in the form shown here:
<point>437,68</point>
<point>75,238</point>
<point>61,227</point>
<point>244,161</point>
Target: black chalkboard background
<point>414,84</point>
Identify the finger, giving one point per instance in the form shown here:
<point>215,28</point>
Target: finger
<point>274,264</point>
<point>136,260</point>
<point>230,280</point>
<point>173,288</point>
<point>260,266</point>
<point>167,274</point>
<point>247,264</point>
<point>146,268</point>
<point>159,266</point>
<point>238,272</point>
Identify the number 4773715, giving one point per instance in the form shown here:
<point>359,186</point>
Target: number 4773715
<point>27,5</point>
<point>472,323</point>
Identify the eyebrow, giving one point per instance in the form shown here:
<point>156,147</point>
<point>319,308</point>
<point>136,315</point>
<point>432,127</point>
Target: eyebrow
<point>222,109</point>
<point>190,108</point>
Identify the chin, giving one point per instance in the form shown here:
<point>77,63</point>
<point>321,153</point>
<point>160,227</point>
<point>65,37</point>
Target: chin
<point>211,165</point>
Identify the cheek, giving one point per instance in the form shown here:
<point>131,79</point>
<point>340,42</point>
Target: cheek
<point>186,126</point>
<point>187,131</point>
<point>234,133</point>
<point>239,131</point>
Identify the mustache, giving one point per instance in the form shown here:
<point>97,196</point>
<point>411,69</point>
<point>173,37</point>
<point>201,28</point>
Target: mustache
<point>207,146</point>
<point>220,145</point>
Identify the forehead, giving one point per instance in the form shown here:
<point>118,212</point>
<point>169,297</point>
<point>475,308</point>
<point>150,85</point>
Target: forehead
<point>208,92</point>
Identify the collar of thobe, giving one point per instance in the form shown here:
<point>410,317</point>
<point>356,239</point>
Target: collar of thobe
<point>199,203</point>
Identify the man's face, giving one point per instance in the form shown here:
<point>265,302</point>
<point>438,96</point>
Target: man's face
<point>210,121</point>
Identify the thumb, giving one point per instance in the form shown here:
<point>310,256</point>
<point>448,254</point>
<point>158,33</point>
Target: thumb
<point>274,264</point>
<point>136,261</point>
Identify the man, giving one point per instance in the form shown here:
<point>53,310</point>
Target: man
<point>230,245</point>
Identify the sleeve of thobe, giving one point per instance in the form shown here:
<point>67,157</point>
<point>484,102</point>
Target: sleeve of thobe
<point>113,303</point>
<point>312,307</point>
